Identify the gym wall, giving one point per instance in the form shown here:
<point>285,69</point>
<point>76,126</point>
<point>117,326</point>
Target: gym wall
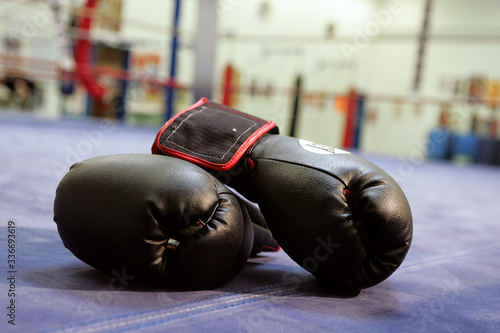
<point>335,46</point>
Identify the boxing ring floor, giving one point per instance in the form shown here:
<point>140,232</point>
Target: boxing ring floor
<point>449,281</point>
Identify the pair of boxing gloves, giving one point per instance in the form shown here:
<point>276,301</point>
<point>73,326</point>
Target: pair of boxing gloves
<point>171,218</point>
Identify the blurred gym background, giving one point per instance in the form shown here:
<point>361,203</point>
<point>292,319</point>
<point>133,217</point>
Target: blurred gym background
<point>412,78</point>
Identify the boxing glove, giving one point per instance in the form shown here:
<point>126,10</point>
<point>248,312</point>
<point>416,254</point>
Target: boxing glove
<point>336,214</point>
<point>156,218</point>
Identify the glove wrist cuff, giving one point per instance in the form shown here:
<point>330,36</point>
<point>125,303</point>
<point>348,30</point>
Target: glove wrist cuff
<point>211,135</point>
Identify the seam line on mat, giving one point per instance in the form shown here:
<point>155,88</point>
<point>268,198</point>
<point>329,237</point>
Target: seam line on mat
<point>103,324</point>
<point>434,259</point>
<point>164,318</point>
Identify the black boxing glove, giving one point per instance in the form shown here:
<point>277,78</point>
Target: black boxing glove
<point>157,218</point>
<point>337,215</point>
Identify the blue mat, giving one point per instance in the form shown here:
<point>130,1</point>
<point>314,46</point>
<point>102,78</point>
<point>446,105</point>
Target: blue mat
<point>449,281</point>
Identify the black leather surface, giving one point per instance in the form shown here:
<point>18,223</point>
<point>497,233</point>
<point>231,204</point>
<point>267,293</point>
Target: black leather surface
<point>337,215</point>
<point>118,212</point>
<point>355,238</point>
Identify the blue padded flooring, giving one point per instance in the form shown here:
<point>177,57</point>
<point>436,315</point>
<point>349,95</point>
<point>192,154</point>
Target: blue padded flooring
<point>449,282</point>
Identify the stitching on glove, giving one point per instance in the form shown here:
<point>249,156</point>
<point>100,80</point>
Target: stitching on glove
<point>198,153</point>
<point>307,167</point>
<point>226,108</point>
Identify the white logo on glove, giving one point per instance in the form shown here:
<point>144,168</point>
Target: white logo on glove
<point>317,148</point>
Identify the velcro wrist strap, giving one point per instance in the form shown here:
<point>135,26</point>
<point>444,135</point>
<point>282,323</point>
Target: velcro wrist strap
<point>211,135</point>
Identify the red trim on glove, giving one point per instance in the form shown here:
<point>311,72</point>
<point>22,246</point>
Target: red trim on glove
<point>275,249</point>
<point>201,162</point>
